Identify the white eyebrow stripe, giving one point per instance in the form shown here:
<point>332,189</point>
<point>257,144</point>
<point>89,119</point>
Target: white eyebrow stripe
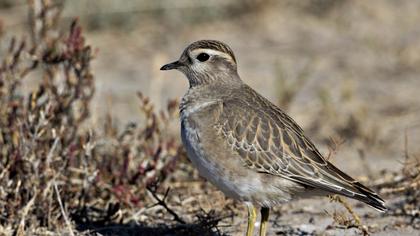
<point>195,52</point>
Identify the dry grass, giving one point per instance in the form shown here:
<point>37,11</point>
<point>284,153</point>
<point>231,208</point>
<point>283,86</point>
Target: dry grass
<point>57,175</point>
<point>341,219</point>
<point>404,185</point>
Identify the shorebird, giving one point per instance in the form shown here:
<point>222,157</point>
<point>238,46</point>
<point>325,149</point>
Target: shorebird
<point>245,145</point>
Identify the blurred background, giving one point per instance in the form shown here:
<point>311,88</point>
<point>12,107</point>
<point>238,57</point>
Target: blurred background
<point>347,71</point>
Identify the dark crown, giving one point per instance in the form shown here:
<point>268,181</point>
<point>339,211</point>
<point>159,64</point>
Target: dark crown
<point>214,45</point>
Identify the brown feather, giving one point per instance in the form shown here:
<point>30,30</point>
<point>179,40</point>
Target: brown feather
<point>295,157</point>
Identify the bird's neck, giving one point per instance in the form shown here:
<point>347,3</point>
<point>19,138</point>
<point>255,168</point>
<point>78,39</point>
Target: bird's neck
<point>220,78</point>
<point>209,91</point>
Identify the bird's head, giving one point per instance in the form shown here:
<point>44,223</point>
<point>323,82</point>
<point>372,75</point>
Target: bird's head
<point>206,61</point>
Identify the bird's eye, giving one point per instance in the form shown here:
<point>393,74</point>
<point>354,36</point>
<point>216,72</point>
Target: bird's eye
<point>203,57</point>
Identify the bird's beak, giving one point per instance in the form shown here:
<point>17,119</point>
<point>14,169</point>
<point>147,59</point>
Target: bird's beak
<point>171,66</point>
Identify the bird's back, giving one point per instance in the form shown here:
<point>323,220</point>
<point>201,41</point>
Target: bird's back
<point>269,141</point>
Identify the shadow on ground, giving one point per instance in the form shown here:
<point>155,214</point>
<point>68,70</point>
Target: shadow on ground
<point>144,230</point>
<point>95,221</point>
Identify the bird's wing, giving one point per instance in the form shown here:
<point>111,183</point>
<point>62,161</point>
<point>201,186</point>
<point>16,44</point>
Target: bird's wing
<point>269,141</point>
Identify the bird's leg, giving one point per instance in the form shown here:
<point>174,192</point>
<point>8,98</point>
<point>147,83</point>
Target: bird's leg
<point>264,220</point>
<point>252,216</point>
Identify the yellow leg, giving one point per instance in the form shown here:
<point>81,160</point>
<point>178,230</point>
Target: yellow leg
<point>265,212</point>
<point>252,216</point>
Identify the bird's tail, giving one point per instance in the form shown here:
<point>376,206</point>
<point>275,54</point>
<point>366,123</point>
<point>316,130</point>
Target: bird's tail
<point>369,197</point>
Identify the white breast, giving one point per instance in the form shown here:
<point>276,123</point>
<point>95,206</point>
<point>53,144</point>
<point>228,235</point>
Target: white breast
<point>188,110</point>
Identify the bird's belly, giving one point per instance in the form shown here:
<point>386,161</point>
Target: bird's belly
<point>207,166</point>
<point>239,182</point>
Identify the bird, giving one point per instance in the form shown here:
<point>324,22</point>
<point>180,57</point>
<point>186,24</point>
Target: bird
<point>246,146</point>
